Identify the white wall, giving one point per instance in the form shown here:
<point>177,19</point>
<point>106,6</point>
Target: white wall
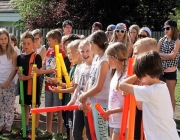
<point>7,19</point>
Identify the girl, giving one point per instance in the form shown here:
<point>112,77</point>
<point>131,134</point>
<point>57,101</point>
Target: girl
<point>120,34</point>
<point>76,59</point>
<point>7,87</point>
<point>144,32</point>
<point>168,48</point>
<point>98,83</point>
<point>117,59</point>
<point>133,33</point>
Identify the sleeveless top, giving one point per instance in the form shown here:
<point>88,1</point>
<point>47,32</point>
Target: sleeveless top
<point>6,68</point>
<point>102,96</point>
<point>39,49</point>
<point>167,47</point>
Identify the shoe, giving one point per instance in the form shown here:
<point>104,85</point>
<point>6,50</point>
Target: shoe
<point>20,133</point>
<point>7,133</point>
<point>45,136</point>
<point>1,132</point>
<point>37,134</point>
<point>58,136</point>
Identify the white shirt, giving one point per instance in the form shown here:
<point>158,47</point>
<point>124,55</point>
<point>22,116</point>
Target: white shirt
<point>157,112</point>
<point>93,79</point>
<point>84,72</point>
<point>116,100</point>
<point>6,67</point>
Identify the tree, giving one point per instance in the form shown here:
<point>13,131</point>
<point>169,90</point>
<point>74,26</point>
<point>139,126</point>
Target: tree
<point>50,14</point>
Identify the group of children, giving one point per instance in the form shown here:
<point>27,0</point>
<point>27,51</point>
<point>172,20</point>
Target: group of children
<point>97,70</point>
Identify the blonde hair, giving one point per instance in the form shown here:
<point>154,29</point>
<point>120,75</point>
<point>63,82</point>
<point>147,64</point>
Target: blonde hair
<point>83,43</point>
<point>119,51</point>
<point>9,47</point>
<point>146,44</point>
<point>135,27</point>
<point>125,40</point>
<point>74,44</point>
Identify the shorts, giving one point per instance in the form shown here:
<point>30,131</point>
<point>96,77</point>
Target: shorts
<point>170,75</point>
<point>52,99</point>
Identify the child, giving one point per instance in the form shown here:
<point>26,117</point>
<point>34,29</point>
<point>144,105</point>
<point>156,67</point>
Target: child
<point>156,102</point>
<point>7,87</point>
<point>168,48</point>
<point>76,59</point>
<point>98,83</point>
<point>26,60</point>
<point>80,120</point>
<point>120,34</point>
<point>51,99</point>
<point>117,59</point>
<point>141,46</point>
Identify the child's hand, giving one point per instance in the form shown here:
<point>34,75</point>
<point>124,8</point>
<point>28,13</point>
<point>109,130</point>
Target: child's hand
<point>81,97</point>
<point>5,85</point>
<point>54,89</point>
<point>84,107</point>
<point>72,102</point>
<point>106,115</point>
<point>51,80</point>
<point>35,70</point>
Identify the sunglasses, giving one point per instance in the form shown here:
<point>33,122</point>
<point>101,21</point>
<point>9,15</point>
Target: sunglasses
<point>110,32</point>
<point>122,31</point>
<point>166,28</point>
<point>142,36</point>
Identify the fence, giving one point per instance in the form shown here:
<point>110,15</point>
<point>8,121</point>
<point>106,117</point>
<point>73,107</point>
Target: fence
<point>17,31</point>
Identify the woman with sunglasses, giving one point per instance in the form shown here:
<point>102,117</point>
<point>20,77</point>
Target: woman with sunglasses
<point>133,33</point>
<point>168,47</point>
<point>109,31</point>
<point>144,32</point>
<point>120,34</point>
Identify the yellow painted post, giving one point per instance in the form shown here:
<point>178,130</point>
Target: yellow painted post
<point>58,67</point>
<point>64,70</point>
<point>34,103</point>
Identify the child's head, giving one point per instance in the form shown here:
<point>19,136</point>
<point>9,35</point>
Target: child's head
<point>96,26</point>
<point>27,40</point>
<point>98,41</point>
<point>120,33</point>
<point>66,39</point>
<point>67,27</point>
<point>85,51</point>
<point>144,32</point>
<point>144,45</point>
<point>133,31</point>
<point>148,64</point>
<point>170,29</point>
<point>5,44</point>
<point>13,40</point>
<point>117,55</point>
<point>54,37</point>
<point>37,37</point>
<point>73,52</point>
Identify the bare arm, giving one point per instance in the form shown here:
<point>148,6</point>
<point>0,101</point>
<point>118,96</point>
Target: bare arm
<point>129,50</point>
<point>127,84</point>
<point>173,53</point>
<point>66,90</point>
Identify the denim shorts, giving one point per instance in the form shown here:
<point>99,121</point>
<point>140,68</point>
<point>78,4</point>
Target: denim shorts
<point>52,99</point>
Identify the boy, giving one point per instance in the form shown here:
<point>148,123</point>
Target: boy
<point>141,46</point>
<point>154,95</point>
<point>67,27</point>
<point>26,60</point>
<point>51,99</point>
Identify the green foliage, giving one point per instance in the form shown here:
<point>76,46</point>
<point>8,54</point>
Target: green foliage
<point>50,14</point>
